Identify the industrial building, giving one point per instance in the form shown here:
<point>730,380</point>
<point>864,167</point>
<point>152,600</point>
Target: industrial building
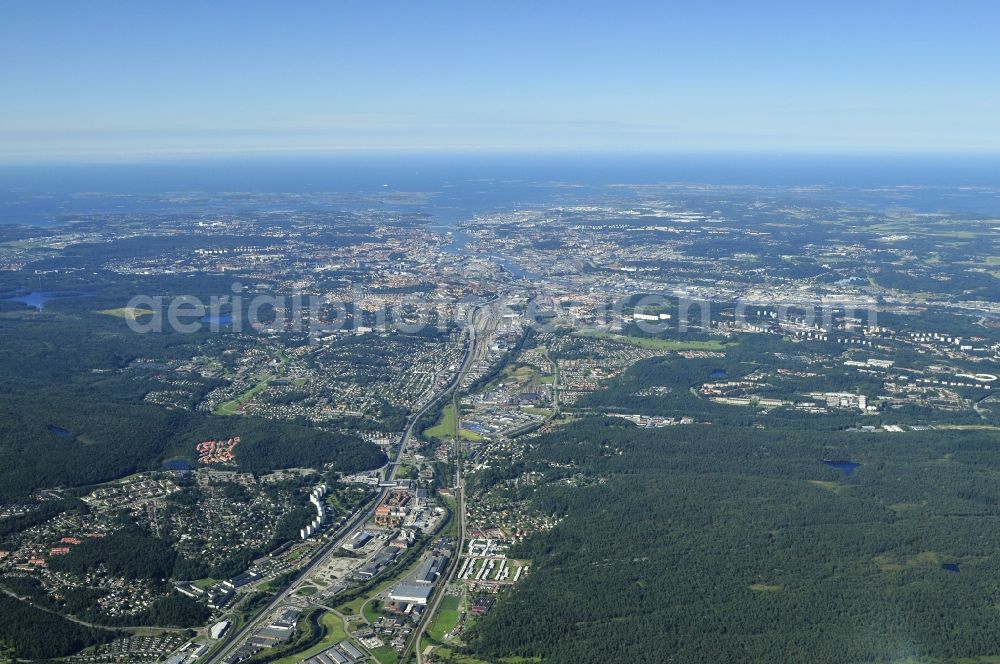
<point>359,540</point>
<point>343,653</point>
<point>411,592</point>
<point>219,629</point>
<point>418,588</point>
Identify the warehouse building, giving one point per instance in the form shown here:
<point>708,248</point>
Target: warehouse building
<point>411,592</point>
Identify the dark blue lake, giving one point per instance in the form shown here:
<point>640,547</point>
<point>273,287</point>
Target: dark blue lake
<point>848,467</point>
<point>950,567</point>
<point>177,464</point>
<point>217,320</point>
<point>718,373</point>
<point>59,431</point>
<point>37,299</point>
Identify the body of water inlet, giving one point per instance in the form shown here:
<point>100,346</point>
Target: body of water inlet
<point>455,186</point>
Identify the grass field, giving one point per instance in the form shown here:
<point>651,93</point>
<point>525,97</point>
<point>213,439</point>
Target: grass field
<point>372,610</point>
<point>523,372</point>
<point>445,619</point>
<point>128,313</point>
<point>333,627</point>
<point>993,261</point>
<point>451,529</point>
<point>444,654</point>
<point>526,375</point>
<point>445,428</point>
<point>654,344</point>
<point>465,434</point>
<point>835,487</point>
<point>232,407</point>
<point>352,607</point>
<point>535,410</point>
<point>385,655</point>
<point>270,585</point>
<point>888,563</point>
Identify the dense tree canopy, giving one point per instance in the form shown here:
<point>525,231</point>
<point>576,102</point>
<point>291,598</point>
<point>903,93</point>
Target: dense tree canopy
<point>36,634</point>
<point>130,553</point>
<point>72,410</point>
<point>713,543</point>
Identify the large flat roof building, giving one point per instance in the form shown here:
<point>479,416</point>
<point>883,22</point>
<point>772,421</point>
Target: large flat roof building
<point>411,593</point>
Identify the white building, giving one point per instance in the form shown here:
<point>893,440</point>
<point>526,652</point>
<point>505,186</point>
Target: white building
<point>218,629</point>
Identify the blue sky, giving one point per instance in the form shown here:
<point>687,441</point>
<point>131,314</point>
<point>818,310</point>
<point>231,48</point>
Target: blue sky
<point>142,78</point>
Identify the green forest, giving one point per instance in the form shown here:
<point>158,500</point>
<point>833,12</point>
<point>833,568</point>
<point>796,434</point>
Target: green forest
<point>72,409</point>
<point>708,543</point>
<point>31,633</point>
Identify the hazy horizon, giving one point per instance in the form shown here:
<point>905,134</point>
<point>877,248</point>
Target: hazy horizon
<point>135,81</point>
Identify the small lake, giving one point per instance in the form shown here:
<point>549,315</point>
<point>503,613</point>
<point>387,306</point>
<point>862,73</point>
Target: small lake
<point>37,299</point>
<point>950,567</point>
<point>59,431</point>
<point>177,464</point>
<point>847,467</point>
<point>717,374</point>
<point>224,319</point>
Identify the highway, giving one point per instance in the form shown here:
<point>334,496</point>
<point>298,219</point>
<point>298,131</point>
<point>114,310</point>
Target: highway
<point>439,591</point>
<point>478,323</point>
<point>335,542</point>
